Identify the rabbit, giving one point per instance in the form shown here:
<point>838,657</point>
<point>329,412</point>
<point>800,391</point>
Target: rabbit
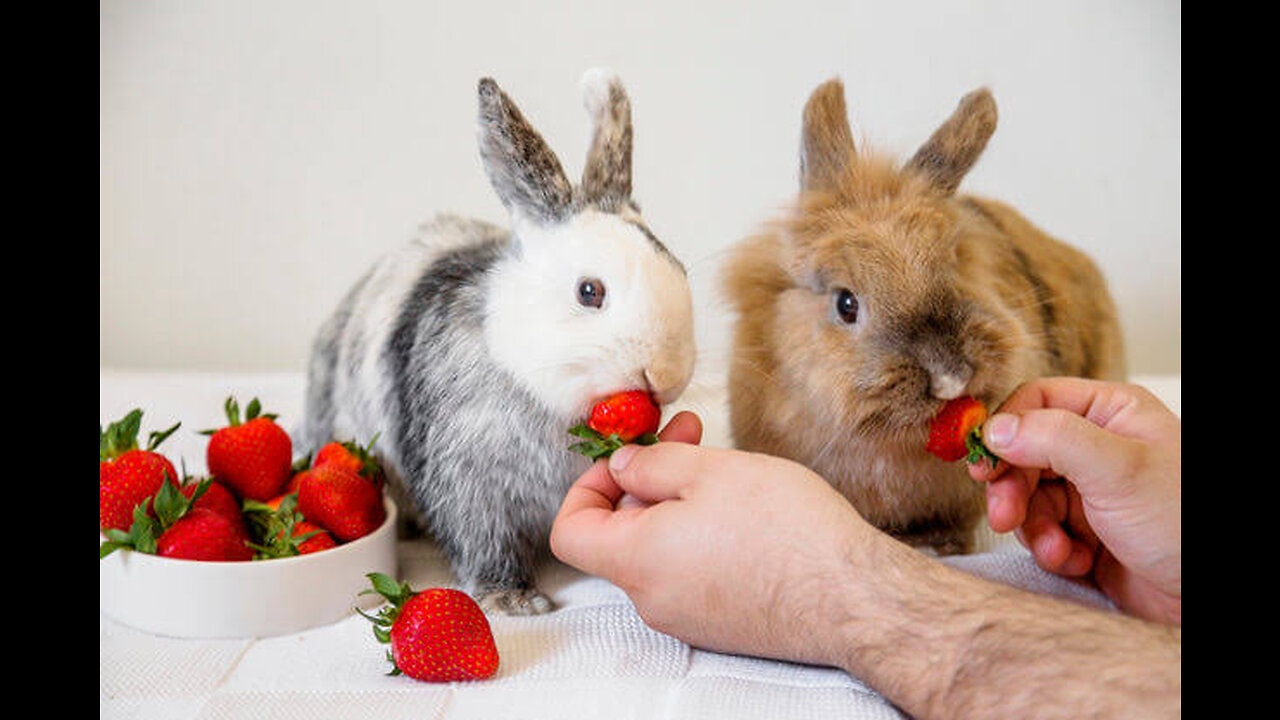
<point>472,351</point>
<point>880,295</point>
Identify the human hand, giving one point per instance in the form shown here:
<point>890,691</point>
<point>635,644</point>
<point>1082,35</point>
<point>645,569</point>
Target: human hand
<point>1091,479</point>
<point>726,550</point>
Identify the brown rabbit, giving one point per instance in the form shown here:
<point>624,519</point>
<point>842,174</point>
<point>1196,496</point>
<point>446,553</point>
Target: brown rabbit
<point>880,295</point>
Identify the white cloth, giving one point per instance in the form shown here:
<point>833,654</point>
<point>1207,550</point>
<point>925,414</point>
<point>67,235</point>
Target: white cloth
<point>591,658</point>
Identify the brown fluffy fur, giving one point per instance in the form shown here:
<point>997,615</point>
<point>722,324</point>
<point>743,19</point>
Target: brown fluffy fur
<point>948,285</point>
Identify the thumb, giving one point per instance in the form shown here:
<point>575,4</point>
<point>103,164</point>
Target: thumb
<point>657,472</point>
<point>1097,461</point>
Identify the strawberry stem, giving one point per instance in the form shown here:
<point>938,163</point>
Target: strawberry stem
<point>978,451</point>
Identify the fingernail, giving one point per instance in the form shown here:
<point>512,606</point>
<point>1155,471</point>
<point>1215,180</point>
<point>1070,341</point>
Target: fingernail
<point>1000,430</point>
<point>620,457</point>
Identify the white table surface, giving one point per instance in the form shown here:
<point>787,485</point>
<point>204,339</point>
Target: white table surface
<point>591,658</point>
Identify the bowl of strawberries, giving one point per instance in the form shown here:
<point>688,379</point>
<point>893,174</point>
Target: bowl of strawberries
<point>266,544</point>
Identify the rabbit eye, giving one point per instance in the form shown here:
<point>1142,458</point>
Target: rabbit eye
<point>590,292</point>
<point>846,306</point>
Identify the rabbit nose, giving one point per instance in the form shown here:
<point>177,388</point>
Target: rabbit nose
<point>666,381</point>
<point>951,384</point>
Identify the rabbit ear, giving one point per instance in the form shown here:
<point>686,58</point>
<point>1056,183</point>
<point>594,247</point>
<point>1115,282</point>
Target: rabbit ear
<point>826,142</point>
<point>523,170</point>
<point>955,146</point>
<point>607,172</point>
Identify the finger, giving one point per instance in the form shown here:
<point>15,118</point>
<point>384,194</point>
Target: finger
<point>657,472</point>
<point>684,427</point>
<point>985,471</point>
<point>1064,443</point>
<point>1075,395</point>
<point>1055,547</point>
<point>1043,532</point>
<point>1007,498</point>
<point>1077,521</point>
<point>585,533</point>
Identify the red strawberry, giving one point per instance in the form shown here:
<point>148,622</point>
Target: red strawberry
<point>127,475</point>
<point>171,524</point>
<point>217,498</point>
<point>341,501</point>
<point>279,530</point>
<point>255,458</point>
<point>630,416</point>
<point>437,635</point>
<point>204,534</point>
<point>312,538</point>
<point>627,415</point>
<point>956,432</point>
<point>352,456</point>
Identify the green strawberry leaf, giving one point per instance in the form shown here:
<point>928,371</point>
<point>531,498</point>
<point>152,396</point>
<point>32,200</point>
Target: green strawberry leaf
<point>120,436</point>
<point>395,669</point>
<point>252,410</point>
<point>302,463</point>
<point>232,409</point>
<point>585,432</point>
<point>158,437</point>
<point>978,451</point>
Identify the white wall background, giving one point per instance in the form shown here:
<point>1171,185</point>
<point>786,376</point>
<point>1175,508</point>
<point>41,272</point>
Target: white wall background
<point>255,157</point>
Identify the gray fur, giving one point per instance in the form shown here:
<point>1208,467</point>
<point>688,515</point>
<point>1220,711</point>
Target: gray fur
<point>607,172</point>
<point>523,171</point>
<point>474,443</point>
<point>479,461</point>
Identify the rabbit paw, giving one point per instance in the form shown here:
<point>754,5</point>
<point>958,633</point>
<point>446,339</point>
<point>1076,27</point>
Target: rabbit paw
<point>516,601</point>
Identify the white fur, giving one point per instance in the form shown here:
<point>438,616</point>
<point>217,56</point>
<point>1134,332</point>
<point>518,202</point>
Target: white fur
<point>571,356</point>
<point>378,306</point>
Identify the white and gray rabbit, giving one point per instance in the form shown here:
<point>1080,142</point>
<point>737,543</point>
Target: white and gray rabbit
<point>471,351</point>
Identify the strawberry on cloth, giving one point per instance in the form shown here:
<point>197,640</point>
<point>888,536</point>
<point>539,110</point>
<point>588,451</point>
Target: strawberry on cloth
<point>437,635</point>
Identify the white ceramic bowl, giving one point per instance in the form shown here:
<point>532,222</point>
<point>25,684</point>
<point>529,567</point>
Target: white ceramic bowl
<point>260,598</point>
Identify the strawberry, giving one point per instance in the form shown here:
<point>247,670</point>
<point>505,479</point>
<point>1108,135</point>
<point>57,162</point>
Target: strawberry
<point>353,456</point>
<point>204,534</point>
<point>956,432</point>
<point>630,416</point>
<point>171,525</point>
<point>128,475</point>
<point>341,501</point>
<point>437,635</point>
<point>312,538</point>
<point>281,531</point>
<point>254,458</point>
<point>217,498</point>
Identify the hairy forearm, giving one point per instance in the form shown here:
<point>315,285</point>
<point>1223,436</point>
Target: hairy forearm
<point>943,644</point>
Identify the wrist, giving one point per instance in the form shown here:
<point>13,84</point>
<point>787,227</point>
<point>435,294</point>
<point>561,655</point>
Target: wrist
<point>905,622</point>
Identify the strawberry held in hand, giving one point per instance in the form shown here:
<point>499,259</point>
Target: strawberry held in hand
<point>630,416</point>
<point>127,475</point>
<point>956,432</point>
<point>254,458</point>
<point>437,635</point>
